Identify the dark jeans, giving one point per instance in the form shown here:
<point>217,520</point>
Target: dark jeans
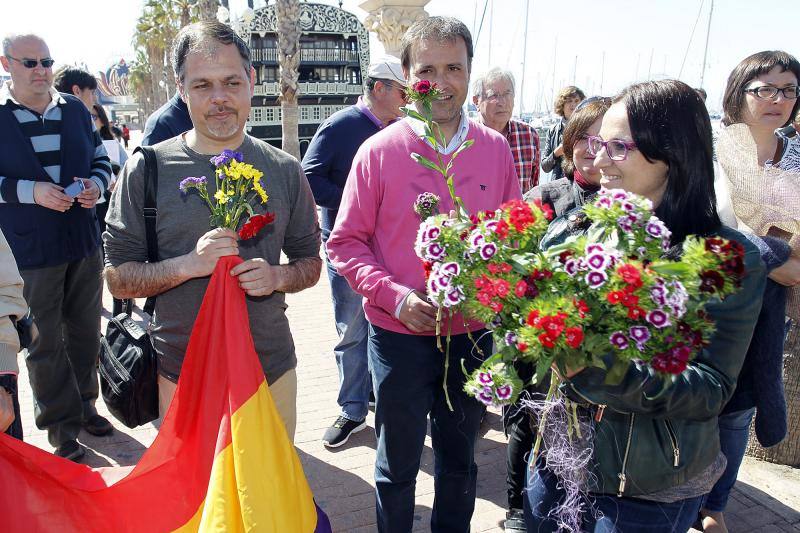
<point>407,375</point>
<point>520,433</point>
<point>62,362</point>
<point>10,383</point>
<point>607,514</point>
<point>351,350</point>
<point>734,429</point>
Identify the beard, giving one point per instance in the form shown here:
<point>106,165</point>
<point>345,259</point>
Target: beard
<point>223,128</point>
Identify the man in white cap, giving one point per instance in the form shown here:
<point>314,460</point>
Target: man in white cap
<point>327,164</point>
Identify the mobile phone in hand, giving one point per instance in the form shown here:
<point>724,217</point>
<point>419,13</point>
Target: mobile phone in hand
<point>75,189</point>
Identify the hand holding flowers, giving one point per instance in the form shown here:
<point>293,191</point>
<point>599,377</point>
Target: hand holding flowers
<point>237,185</point>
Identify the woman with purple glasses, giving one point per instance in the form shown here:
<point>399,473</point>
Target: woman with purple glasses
<point>655,454</point>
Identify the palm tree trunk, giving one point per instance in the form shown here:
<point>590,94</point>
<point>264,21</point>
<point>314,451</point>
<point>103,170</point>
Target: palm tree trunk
<point>207,9</point>
<point>788,451</point>
<point>287,14</point>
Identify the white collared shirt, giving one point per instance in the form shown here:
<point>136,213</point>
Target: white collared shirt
<point>6,95</point>
<point>461,134</point>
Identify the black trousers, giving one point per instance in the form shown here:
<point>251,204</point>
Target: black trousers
<point>9,382</point>
<point>521,432</point>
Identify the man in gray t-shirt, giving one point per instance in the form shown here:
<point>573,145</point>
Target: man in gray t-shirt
<point>213,72</point>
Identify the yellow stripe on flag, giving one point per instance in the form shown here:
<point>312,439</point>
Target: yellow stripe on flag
<point>257,481</point>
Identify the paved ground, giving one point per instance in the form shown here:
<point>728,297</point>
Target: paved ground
<point>766,497</point>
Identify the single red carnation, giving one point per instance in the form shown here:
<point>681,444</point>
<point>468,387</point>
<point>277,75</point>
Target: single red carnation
<point>711,281</point>
<point>630,274</point>
<point>546,340</point>
<point>520,288</point>
<point>501,229</point>
<point>423,87</point>
<point>254,224</point>
<point>533,318</point>
<point>614,297</point>
<point>573,337</point>
<point>521,346</point>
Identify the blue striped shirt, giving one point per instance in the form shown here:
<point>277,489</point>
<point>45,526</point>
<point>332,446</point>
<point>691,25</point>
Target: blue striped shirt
<point>44,133</point>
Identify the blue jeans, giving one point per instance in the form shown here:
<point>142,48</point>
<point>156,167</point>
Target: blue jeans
<point>734,428</point>
<point>617,515</point>
<point>351,350</point>
<point>408,372</point>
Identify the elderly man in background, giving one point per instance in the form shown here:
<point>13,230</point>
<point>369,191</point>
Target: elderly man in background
<point>493,95</point>
<point>54,168</point>
<point>327,164</point>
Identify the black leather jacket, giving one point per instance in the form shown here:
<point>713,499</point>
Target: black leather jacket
<point>645,441</point>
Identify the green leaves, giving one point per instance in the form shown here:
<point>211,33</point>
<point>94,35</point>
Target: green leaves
<point>425,162</point>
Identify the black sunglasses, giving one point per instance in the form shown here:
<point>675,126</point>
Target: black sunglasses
<point>31,63</point>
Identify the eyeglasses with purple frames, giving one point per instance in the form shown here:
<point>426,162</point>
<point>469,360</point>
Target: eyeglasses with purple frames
<point>617,149</point>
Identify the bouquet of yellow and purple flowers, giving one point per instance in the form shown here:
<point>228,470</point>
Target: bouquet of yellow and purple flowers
<point>238,185</point>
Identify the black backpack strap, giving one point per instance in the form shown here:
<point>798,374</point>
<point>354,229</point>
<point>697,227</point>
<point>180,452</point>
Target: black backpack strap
<point>150,211</point>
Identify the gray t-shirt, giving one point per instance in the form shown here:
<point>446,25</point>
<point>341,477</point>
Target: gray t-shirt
<point>184,218</point>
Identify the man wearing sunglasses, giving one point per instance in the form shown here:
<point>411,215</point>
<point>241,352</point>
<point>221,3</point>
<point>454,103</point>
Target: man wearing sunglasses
<point>47,143</point>
<point>326,164</point>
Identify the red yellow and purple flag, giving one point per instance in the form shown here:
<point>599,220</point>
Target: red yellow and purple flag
<point>222,460</point>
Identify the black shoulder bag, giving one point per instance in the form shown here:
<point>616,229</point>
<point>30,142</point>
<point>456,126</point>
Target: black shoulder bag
<point>128,366</point>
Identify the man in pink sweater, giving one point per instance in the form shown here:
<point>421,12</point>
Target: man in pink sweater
<point>372,246</point>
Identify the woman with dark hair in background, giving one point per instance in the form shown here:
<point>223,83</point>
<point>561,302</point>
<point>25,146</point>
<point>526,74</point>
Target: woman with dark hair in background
<point>758,175</point>
<point>656,453</point>
<point>581,179</point>
<point>567,100</point>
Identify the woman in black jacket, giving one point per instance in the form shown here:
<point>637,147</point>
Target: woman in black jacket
<point>581,180</point>
<point>656,453</point>
<point>568,99</point>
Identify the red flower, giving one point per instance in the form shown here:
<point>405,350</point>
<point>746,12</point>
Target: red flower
<point>546,209</point>
<point>427,266</point>
<point>546,340</point>
<point>553,325</point>
<point>494,269</point>
<point>423,87</point>
<point>496,307</point>
<point>501,288</point>
<point>254,225</point>
<point>614,297</point>
<point>501,229</point>
<point>520,215</point>
<point>573,337</point>
<point>581,306</point>
<point>630,274</point>
<point>533,318</point>
<point>711,281</point>
<point>636,313</point>
<point>520,288</point>
<point>505,267</point>
<point>630,300</point>
<point>521,346</point>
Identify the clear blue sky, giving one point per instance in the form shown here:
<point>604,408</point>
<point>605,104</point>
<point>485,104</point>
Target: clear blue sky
<point>628,31</point>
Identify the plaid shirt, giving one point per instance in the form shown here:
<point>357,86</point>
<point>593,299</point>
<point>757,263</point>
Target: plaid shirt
<point>524,143</point>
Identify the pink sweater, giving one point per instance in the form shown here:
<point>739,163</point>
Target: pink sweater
<point>372,243</point>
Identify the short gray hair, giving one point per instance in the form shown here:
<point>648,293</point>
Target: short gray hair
<point>205,37</point>
<point>489,77</point>
<point>11,38</point>
<point>439,29</point>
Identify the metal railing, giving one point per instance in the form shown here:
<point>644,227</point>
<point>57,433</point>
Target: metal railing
<point>315,88</point>
<point>308,54</point>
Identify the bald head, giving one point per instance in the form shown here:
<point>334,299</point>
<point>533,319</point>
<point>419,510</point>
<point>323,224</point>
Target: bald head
<point>23,39</point>
<point>31,86</point>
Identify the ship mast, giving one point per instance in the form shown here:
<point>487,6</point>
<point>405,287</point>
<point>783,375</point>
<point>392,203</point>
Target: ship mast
<point>524,55</point>
<point>705,52</point>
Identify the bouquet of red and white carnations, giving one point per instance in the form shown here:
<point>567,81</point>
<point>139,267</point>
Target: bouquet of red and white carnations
<point>604,298</point>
